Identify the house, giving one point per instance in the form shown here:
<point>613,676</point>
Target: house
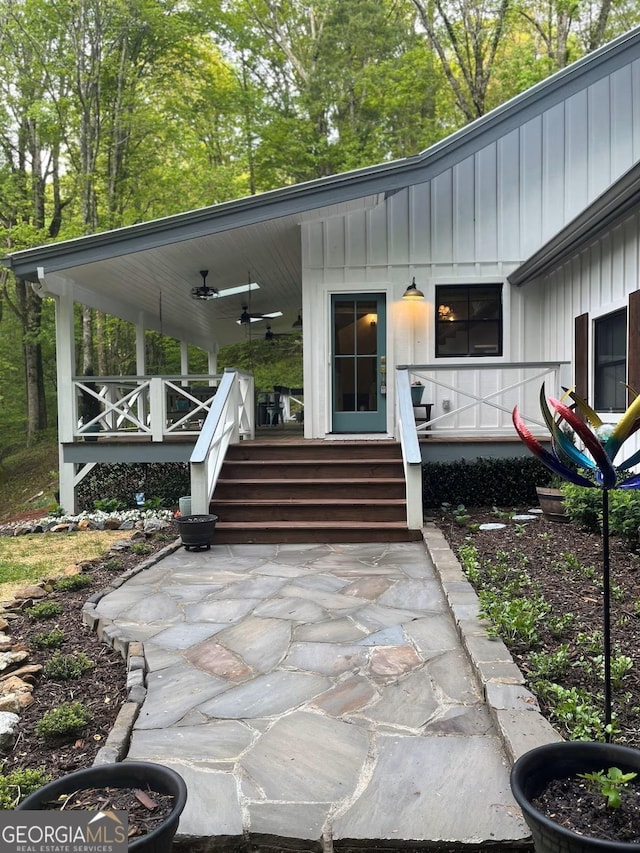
<point>492,229</point>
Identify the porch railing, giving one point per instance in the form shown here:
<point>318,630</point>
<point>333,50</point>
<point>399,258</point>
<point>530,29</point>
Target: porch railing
<point>477,399</point>
<point>468,400</point>
<point>231,418</point>
<point>153,406</point>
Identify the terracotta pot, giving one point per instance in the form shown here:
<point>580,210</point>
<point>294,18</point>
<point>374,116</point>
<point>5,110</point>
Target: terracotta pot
<point>196,531</point>
<point>533,771</point>
<point>552,503</point>
<point>123,774</point>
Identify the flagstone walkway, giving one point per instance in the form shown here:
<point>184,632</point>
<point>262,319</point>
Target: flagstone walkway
<point>329,696</point>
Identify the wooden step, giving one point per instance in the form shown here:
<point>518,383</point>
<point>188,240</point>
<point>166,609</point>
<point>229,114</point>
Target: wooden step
<point>233,533</point>
<point>308,449</point>
<point>381,510</point>
<point>298,469</point>
<point>312,492</point>
<point>307,489</point>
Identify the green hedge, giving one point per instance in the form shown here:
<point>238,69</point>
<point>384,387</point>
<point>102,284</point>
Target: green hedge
<point>167,480</point>
<point>483,482</point>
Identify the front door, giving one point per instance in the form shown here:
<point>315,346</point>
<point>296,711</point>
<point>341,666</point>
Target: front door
<point>358,332</point>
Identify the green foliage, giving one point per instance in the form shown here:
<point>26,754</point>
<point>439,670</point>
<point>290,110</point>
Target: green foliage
<point>141,549</point>
<point>274,362</point>
<point>153,503</point>
<point>63,723</point>
<point>64,667</point>
<point>516,619</point>
<point>166,481</point>
<point>17,785</point>
<point>73,582</point>
<point>109,505</point>
<point>584,506</point>
<point>610,784</point>
<point>53,639</point>
<point>114,565</point>
<point>485,482</point>
<point>574,710</point>
<point>44,610</point>
<point>549,666</point>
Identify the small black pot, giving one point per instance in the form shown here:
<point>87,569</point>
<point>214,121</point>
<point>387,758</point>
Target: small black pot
<point>533,771</point>
<point>196,531</point>
<point>123,774</point>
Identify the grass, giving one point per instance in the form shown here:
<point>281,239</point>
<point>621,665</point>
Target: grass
<point>28,481</point>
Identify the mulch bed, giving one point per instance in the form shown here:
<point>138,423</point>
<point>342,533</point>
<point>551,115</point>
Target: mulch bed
<point>566,566</point>
<point>102,690</point>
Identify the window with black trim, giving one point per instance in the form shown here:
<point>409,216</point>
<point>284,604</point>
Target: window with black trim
<point>610,362</point>
<point>468,320</point>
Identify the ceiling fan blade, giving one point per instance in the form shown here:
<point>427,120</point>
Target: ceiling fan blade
<point>240,288</point>
<point>272,314</point>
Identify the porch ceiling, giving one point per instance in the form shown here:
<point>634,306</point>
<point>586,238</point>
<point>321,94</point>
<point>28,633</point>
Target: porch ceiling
<point>155,283</point>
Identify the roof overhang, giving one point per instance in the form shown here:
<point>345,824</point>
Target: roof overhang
<point>608,208</point>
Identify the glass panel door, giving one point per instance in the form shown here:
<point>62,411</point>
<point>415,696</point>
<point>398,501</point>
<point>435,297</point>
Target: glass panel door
<point>358,324</point>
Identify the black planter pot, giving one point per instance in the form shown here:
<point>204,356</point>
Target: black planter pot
<point>123,774</point>
<point>533,771</point>
<point>196,531</point>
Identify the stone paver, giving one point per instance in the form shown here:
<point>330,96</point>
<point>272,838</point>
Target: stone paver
<point>323,694</point>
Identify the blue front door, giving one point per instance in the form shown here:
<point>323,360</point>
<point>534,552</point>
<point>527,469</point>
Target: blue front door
<point>358,332</point>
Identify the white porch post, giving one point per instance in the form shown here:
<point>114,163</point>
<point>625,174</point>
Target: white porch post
<point>67,414</point>
<point>141,369</point>
<point>212,358</point>
<point>184,358</point>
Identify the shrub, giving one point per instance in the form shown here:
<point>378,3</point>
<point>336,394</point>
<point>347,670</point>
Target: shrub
<point>73,582</point>
<point>109,505</point>
<point>50,640</point>
<point>584,506</point>
<point>141,549</point>
<point>64,667</point>
<point>166,481</point>
<point>65,722</point>
<point>18,784</point>
<point>44,610</point>
<point>483,482</point>
<point>114,565</point>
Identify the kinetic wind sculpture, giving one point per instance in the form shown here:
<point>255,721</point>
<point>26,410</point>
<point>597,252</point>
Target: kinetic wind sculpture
<point>601,445</point>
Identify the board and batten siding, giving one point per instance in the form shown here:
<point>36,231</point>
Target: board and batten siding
<point>475,221</point>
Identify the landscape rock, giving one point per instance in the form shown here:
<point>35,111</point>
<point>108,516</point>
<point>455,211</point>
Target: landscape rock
<point>8,659</point>
<point>26,672</point>
<point>112,524</point>
<point>31,591</point>
<point>9,703</point>
<point>8,723</point>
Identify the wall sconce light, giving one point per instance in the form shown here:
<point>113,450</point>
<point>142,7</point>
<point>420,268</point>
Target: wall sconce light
<point>373,320</point>
<point>412,291</point>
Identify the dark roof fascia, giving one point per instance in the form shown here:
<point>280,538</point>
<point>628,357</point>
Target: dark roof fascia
<point>297,199</point>
<point>607,209</point>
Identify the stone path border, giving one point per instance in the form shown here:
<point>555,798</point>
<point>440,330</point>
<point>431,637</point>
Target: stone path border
<point>514,709</point>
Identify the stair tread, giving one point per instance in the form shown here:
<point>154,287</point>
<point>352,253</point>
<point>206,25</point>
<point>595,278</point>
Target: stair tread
<point>312,525</point>
<point>302,480</point>
<point>309,501</point>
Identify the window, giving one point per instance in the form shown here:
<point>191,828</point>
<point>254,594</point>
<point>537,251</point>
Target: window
<point>469,320</point>
<point>610,362</point>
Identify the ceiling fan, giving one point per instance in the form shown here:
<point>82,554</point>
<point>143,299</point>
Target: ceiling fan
<point>245,318</point>
<point>206,293</point>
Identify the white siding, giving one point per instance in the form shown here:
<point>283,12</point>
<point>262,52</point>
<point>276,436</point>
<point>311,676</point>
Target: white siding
<point>477,220</point>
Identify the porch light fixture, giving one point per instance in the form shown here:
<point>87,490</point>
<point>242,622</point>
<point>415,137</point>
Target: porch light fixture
<point>412,291</point>
<point>268,335</point>
<point>297,324</point>
<point>203,292</point>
